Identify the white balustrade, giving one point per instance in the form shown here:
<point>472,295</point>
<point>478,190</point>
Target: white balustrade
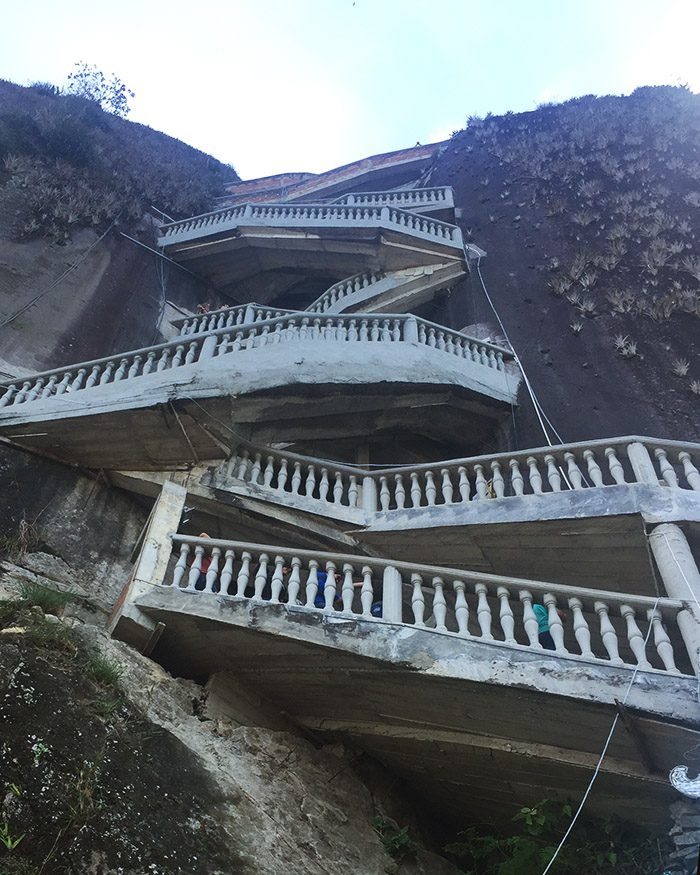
<point>604,627</point>
<point>341,328</point>
<point>311,215</point>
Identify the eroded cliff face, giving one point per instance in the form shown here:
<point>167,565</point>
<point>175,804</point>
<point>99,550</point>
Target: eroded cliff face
<point>590,214</point>
<point>110,765</point>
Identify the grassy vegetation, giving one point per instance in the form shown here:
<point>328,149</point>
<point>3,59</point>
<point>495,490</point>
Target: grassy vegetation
<point>67,163</point>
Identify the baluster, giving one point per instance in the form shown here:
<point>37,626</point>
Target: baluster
<point>461,607</point>
<point>415,490</point>
<point>506,617</point>
<point>530,620</point>
<point>176,360</point>
<point>441,341</point>
<point>213,570</point>
<point>63,385</point>
<point>277,580</point>
<point>574,472</point>
<point>352,491</point>
<point>78,382</point>
<point>348,589</point>
<point>556,627</point>
<point>243,465</point>
<point>635,637</point>
<point>667,472</point>
<point>324,485</point>
<point>352,330</point>
<point>581,630</point>
<point>227,572</point>
<point>163,360</point>
<point>535,476</point>
<point>191,353</point>
<point>418,600</point>
<point>447,490</point>
<point>329,589</point>
<point>483,357</point>
<point>553,475</point>
<point>483,612</point>
<point>594,471</point>
<point>296,478</point>
<point>430,488</point>
<point>269,472</point>
<point>439,604</point>
<point>135,365</point>
<point>107,373</point>
<point>243,574</point>
<point>396,331</point>
<point>338,488</point>
<point>181,565</point>
<point>310,484</point>
<point>385,331</point>
<point>464,488</point>
<point>607,632</point>
<point>36,389</point>
<point>261,576</point>
<point>516,478</point>
<point>256,469</point>
<point>195,568</point>
<point>449,345</point>
<point>481,487</point>
<point>497,480</point>
<point>615,466</point>
<point>312,584</point>
<point>662,642</point>
<point>149,363</point>
<point>692,475</point>
<point>282,475</point>
<point>374,329</point>
<point>49,389</point>
<point>294,582</point>
<point>367,592</point>
<point>384,495</point>
<point>399,492</point>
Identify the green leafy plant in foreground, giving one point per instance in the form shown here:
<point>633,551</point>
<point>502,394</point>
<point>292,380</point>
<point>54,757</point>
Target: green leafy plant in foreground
<point>7,838</point>
<point>595,846</point>
<point>397,842</point>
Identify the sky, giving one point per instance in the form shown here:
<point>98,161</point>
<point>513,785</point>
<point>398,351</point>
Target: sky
<point>273,86</point>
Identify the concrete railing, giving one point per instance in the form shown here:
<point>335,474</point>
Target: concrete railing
<point>439,197</point>
<point>313,216</point>
<point>592,625</point>
<point>227,317</point>
<point>382,328</point>
<point>323,486</point>
<point>344,289</point>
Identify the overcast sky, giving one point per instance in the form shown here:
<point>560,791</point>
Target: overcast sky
<point>283,85</point>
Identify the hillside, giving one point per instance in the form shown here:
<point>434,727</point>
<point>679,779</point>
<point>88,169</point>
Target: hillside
<point>66,163</point>
<point>590,214</point>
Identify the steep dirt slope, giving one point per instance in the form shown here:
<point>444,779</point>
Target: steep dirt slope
<point>590,214</point>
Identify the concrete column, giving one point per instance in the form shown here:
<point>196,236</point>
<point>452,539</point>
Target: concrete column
<point>681,578</point>
<point>248,315</point>
<point>208,347</point>
<point>369,495</point>
<point>391,595</point>
<point>643,467</point>
<point>127,622</point>
<point>410,331</point>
